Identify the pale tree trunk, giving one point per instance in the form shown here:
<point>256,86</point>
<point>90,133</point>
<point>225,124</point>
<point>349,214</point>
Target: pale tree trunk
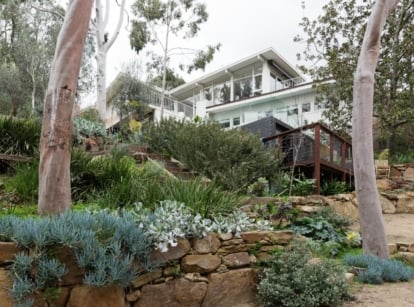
<point>370,213</point>
<point>56,137</point>
<point>104,44</point>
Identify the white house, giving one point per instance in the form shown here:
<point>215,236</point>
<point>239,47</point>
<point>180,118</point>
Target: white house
<point>263,84</point>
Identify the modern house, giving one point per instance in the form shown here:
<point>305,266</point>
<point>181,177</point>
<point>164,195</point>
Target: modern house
<point>266,95</point>
<point>263,84</point>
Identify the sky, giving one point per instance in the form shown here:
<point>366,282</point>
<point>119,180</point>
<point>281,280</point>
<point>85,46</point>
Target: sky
<point>243,27</point>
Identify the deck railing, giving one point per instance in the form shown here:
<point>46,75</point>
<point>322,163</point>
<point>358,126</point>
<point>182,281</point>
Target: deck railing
<point>316,146</point>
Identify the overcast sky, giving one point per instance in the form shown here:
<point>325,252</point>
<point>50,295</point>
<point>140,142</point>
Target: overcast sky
<point>243,27</point>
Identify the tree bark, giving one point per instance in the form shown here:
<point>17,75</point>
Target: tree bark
<point>56,137</point>
<point>370,212</point>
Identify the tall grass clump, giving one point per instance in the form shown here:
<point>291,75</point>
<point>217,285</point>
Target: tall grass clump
<point>25,181</point>
<point>19,137</point>
<point>234,159</point>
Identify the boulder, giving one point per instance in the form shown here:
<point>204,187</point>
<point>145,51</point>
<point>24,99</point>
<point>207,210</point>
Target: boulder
<point>6,283</point>
<point>173,253</point>
<point>175,293</point>
<point>8,251</point>
<point>407,256</point>
<point>74,275</point>
<point>272,237</point>
<point>206,245</point>
<point>233,288</point>
<point>200,263</point>
<point>409,173</point>
<point>236,260</point>
<point>344,207</point>
<point>388,206</point>
<point>86,296</point>
<point>405,204</point>
<point>146,278</point>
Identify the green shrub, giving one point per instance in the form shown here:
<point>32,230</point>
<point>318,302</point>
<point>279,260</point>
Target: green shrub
<point>19,137</point>
<point>25,181</point>
<point>291,280</point>
<point>379,270</point>
<point>333,187</point>
<point>233,158</point>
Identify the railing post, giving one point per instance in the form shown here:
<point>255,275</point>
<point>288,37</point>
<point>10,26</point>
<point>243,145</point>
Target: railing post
<point>317,159</point>
<point>343,160</point>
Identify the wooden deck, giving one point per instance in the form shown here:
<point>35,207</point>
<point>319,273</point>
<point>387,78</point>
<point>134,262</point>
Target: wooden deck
<point>315,151</point>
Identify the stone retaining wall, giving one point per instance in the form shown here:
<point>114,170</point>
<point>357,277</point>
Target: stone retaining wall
<point>218,270</point>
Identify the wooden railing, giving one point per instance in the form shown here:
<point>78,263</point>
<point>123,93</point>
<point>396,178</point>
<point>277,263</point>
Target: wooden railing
<point>314,146</point>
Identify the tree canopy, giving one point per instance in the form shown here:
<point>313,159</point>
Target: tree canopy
<point>333,43</point>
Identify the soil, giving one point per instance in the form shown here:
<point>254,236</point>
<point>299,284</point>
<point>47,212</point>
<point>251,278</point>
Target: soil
<point>399,228</point>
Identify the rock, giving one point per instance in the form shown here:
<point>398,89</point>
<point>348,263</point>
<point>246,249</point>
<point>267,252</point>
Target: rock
<point>74,275</point>
<point>206,245</point>
<point>273,237</point>
<point>232,242</point>
<point>411,248</point>
<point>133,296</point>
<point>315,200</point>
<point>236,260</point>
<point>349,277</point>
<point>409,173</point>
<point>346,208</point>
<point>384,184</point>
<point>173,253</point>
<point>392,248</point>
<point>388,206</point>
<point>405,204</point>
<point>8,251</point>
<point>176,293</point>
<point>409,257</point>
<point>233,288</point>
<point>195,277</point>
<point>224,250</point>
<point>146,278</point>
<point>307,209</point>
<point>200,263</point>
<point>86,296</point>
<point>5,283</point>
<point>46,300</point>
<point>225,236</point>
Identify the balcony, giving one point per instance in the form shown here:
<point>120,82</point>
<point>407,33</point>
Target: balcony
<point>315,151</point>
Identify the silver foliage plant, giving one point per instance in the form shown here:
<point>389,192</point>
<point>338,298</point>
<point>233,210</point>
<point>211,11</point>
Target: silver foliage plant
<point>172,220</point>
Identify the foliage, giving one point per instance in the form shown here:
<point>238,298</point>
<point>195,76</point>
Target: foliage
<point>156,21</point>
<point>171,220</point>
<point>233,158</point>
<point>25,181</point>
<point>403,158</point>
<point>334,187</point>
<point>333,41</point>
<point>379,270</point>
<point>105,245</point>
<point>291,280</point>
<point>86,127</point>
<point>259,188</point>
<point>19,137</point>
<point>324,225</point>
<point>303,187</point>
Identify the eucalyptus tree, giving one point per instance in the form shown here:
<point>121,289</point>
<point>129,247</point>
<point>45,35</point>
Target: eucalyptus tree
<point>157,21</point>
<point>333,42</point>
<point>104,42</point>
<point>55,142</point>
<point>27,37</point>
<point>369,206</point>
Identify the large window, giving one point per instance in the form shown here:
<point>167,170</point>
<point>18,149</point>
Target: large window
<point>248,82</point>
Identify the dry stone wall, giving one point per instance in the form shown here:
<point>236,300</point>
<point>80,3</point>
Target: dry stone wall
<point>219,270</point>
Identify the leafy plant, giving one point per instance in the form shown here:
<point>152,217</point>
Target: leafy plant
<point>233,158</point>
<point>379,270</point>
<point>19,137</point>
<point>317,228</point>
<point>24,183</point>
<point>293,280</point>
<point>259,188</point>
<point>333,187</point>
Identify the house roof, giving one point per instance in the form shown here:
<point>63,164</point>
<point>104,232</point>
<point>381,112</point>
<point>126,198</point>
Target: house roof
<point>268,54</point>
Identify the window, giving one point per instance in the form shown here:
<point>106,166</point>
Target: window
<point>208,94</point>
<point>236,121</point>
<point>225,123</point>
<point>306,107</point>
<point>292,112</point>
